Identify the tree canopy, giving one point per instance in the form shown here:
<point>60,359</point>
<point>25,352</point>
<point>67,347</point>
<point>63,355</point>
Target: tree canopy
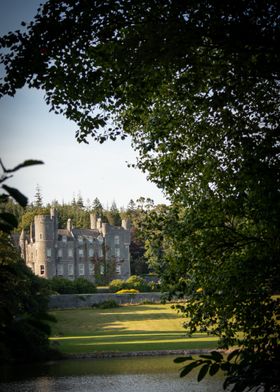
<point>196,85</point>
<point>23,296</point>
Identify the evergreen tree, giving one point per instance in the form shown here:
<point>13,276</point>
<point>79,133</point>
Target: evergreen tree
<point>79,201</point>
<point>38,199</point>
<point>97,207</point>
<point>113,215</point>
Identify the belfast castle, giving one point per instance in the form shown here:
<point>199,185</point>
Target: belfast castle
<point>93,253</point>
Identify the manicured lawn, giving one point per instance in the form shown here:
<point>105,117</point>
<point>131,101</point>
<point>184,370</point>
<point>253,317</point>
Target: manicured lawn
<point>128,328</point>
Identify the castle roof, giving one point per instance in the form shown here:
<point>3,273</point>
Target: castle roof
<point>85,232</point>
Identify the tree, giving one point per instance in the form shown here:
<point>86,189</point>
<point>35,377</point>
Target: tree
<point>24,330</point>
<point>23,296</point>
<point>97,207</point>
<point>113,215</point>
<point>38,202</point>
<point>196,85</point>
<point>79,201</point>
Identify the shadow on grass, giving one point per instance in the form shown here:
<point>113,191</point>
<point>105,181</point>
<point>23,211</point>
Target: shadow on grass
<point>135,341</point>
<point>86,346</point>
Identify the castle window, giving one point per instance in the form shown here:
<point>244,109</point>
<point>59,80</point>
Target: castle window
<point>59,269</point>
<point>81,269</point>
<point>100,252</point>
<point>117,240</point>
<point>90,239</point>
<point>70,252</point>
<point>40,236</point>
<point>118,269</point>
<point>70,269</point>
<point>102,269</point>
<point>90,252</point>
<point>59,253</point>
<point>42,269</point>
<point>81,252</point>
<point>64,238</point>
<point>49,252</point>
<point>91,269</point>
<point>80,238</point>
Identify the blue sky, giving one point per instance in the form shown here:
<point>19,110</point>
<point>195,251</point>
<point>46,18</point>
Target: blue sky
<point>29,130</point>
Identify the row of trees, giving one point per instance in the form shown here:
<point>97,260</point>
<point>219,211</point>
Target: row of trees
<point>78,212</point>
<point>196,86</point>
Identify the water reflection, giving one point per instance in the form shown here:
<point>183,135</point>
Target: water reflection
<point>158,374</point>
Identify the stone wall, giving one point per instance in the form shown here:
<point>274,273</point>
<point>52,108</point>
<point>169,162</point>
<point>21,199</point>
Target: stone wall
<point>68,301</point>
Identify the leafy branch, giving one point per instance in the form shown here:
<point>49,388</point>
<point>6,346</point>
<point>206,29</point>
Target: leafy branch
<point>7,220</point>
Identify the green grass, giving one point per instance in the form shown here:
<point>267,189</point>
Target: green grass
<point>123,329</point>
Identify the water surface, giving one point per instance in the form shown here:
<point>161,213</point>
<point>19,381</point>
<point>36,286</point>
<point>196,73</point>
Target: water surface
<point>152,374</point>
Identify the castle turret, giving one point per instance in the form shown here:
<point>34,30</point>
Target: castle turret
<point>45,240</point>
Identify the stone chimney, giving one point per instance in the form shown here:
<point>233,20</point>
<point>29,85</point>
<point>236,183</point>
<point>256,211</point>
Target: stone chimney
<point>69,224</point>
<point>105,229</point>
<point>93,221</point>
<point>126,224</point>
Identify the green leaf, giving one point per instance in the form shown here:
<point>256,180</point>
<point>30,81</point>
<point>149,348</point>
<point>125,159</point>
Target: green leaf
<point>206,356</point>
<point>233,354</point>
<point>225,366</point>
<point>17,195</point>
<point>214,368</point>
<point>29,162</point>
<point>202,373</point>
<point>4,198</point>
<point>182,359</point>
<point>188,368</point>
<point>218,357</point>
<point>8,218</point>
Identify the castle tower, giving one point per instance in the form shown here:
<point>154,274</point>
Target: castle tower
<point>45,228</point>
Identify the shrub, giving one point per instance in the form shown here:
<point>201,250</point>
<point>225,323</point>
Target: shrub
<point>117,285</point>
<point>62,285</point>
<point>154,286</point>
<point>109,304</point>
<point>133,282</point>
<point>128,291</point>
<point>138,283</point>
<point>84,286</point>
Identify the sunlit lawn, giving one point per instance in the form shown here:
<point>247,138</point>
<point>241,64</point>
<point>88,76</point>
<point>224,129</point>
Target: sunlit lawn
<point>128,328</point>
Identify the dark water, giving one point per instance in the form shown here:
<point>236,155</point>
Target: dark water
<point>154,374</point>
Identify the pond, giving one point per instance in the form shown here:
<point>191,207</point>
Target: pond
<point>138,374</point>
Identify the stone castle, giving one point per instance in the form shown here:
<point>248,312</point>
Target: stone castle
<point>99,254</point>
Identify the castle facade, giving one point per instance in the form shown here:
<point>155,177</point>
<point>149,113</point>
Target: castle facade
<point>100,253</point>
